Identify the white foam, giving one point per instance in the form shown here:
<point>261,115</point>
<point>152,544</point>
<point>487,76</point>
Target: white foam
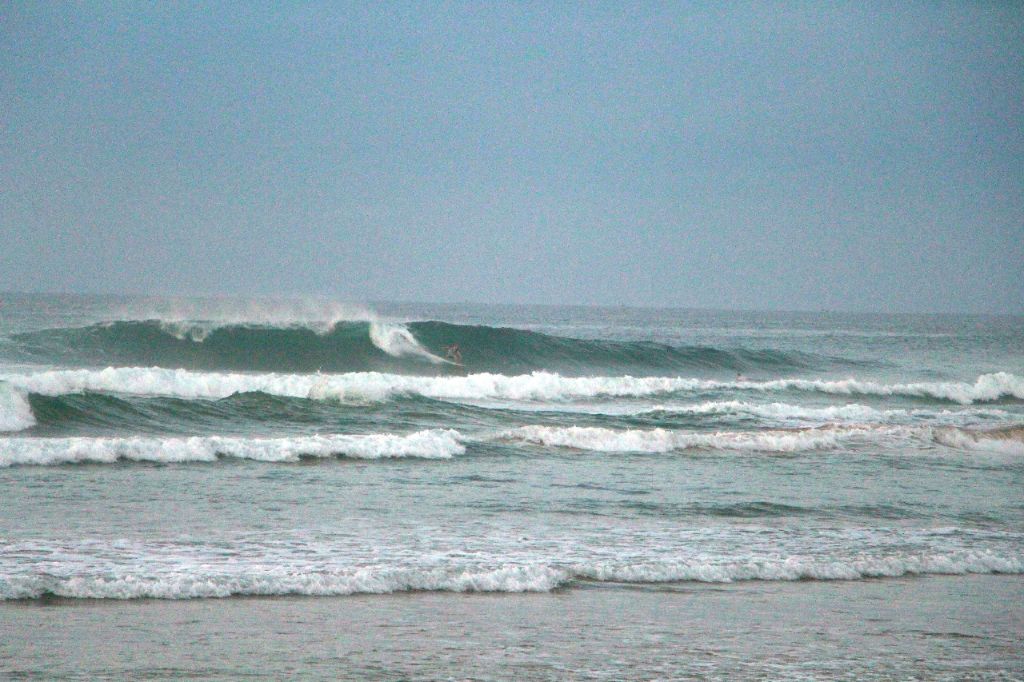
<point>396,340</point>
<point>15,412</point>
<point>191,579</point>
<point>1002,441</point>
<point>430,444</point>
<point>780,411</point>
<point>154,381</point>
<point>782,414</point>
<point>275,580</point>
<point>362,386</point>
<point>537,386</point>
<point>987,387</point>
<point>804,568</point>
<point>599,439</point>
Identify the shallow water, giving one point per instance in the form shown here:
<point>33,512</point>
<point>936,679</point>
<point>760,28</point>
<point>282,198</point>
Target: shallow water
<point>937,628</point>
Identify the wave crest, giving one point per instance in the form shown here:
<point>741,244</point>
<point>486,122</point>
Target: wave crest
<point>539,576</point>
<point>598,439</point>
<point>1008,441</point>
<point>536,386</point>
<point>15,411</point>
<point>429,444</point>
<point>366,343</point>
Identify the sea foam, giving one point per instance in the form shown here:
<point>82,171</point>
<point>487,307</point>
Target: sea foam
<point>397,341</point>
<point>1002,441</point>
<point>430,444</point>
<point>210,580</point>
<point>599,439</point>
<point>537,386</point>
<point>15,412</point>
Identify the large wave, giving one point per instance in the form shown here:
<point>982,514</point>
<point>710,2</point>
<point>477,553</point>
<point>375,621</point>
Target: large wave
<point>366,345</point>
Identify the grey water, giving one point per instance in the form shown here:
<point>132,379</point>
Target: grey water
<point>196,452</point>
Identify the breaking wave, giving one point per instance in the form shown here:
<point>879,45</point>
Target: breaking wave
<point>599,439</point>
<point>430,444</point>
<point>1009,441</point>
<point>536,386</point>
<point>374,345</point>
<point>190,581</point>
<point>15,411</point>
<point>786,413</point>
<point>446,443</point>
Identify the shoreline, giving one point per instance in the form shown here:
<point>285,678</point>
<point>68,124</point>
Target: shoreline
<point>922,627</point>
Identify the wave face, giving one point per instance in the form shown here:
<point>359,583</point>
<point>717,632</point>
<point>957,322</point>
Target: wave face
<point>416,347</point>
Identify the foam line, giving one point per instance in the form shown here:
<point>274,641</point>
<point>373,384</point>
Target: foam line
<point>431,444</point>
<point>209,580</point>
<point>598,439</point>
<point>537,386</point>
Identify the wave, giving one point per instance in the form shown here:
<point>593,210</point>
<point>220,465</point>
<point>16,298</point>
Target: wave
<point>15,411</point>
<point>986,388</point>
<point>536,386</point>
<point>777,411</point>
<point>1008,441</point>
<point>205,581</point>
<point>348,345</point>
<point>429,444</point>
<point>446,443</point>
<point>788,413</point>
<point>92,413</point>
<point>598,439</point>
<point>374,345</point>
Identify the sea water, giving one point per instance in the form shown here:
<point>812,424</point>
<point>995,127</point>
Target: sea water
<point>213,449</point>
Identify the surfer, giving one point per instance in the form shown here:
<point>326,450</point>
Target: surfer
<point>453,353</point>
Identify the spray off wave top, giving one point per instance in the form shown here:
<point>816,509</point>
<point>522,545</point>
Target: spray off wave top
<point>373,345</point>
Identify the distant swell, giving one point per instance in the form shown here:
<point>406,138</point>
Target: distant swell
<point>415,347</point>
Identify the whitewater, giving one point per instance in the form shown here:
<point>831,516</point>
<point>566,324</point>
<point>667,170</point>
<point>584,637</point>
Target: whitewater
<point>191,450</point>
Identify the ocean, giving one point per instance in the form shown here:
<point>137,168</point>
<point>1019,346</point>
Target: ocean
<point>594,493</point>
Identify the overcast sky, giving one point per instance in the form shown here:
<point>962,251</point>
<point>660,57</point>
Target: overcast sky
<point>769,156</point>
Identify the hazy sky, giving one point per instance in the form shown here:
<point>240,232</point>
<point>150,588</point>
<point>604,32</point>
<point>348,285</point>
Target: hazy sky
<point>772,155</point>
